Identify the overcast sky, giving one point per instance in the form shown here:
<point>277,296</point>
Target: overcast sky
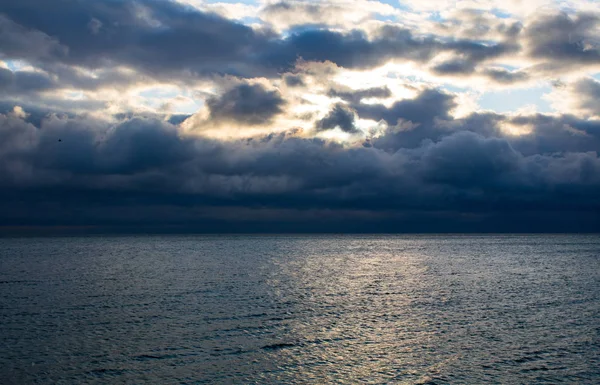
<point>268,116</point>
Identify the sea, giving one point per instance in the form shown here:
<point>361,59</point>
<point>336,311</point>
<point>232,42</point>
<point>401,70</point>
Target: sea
<point>300,309</point>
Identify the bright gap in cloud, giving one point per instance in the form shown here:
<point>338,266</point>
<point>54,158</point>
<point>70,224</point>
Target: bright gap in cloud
<point>16,65</point>
<point>514,100</point>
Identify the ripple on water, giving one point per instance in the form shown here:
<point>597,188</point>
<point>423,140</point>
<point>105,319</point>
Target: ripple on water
<point>300,309</point>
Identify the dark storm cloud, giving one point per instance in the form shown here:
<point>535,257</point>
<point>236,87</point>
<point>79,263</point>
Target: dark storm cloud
<point>29,85</point>
<point>152,35</point>
<point>503,76</point>
<point>135,146</point>
<point>167,39</point>
<point>26,43</point>
<point>340,116</point>
<point>454,67</point>
<point>34,115</point>
<point>428,105</point>
<point>246,103</point>
<point>467,159</point>
<point>461,67</point>
<point>23,82</point>
<point>427,117</point>
<point>550,134</point>
<point>470,54</point>
<point>426,166</point>
<point>355,50</point>
<point>410,121</point>
<point>178,118</point>
<point>475,51</point>
<point>564,39</point>
<point>436,160</point>
<point>355,96</point>
<point>147,168</point>
<point>351,50</point>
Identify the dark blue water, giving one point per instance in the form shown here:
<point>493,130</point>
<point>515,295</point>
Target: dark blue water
<point>300,309</point>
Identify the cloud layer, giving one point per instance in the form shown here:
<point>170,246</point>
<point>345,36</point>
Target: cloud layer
<point>163,115</point>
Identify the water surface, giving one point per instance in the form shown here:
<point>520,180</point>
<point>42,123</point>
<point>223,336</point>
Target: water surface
<point>300,309</point>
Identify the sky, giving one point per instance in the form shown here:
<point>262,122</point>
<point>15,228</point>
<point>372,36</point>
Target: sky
<point>300,116</point>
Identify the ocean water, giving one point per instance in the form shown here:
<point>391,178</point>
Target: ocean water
<point>445,309</point>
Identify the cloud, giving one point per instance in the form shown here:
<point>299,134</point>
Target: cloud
<point>564,41</point>
<point>421,112</point>
<point>551,134</point>
<point>478,24</point>
<point>355,96</point>
<point>588,91</point>
<point>466,159</point>
<point>429,104</point>
<point>154,36</point>
<point>454,67</point>
<point>23,82</point>
<point>469,54</point>
<point>476,51</point>
<point>164,113</point>
<point>251,104</point>
<point>293,80</point>
<point>503,76</point>
<point>166,39</point>
<point>152,163</point>
<point>578,97</point>
<point>290,13</point>
<point>340,117</point>
<point>25,43</point>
